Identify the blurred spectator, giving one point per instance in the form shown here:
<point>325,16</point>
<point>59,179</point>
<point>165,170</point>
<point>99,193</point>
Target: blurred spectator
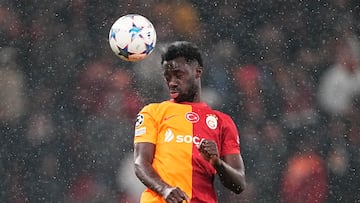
<point>272,153</point>
<point>120,98</point>
<point>343,146</point>
<point>176,18</point>
<point>109,104</point>
<point>265,147</point>
<point>219,67</point>
<point>40,125</point>
<point>340,84</point>
<point>297,108</point>
<point>130,186</point>
<point>11,26</point>
<point>296,90</point>
<point>90,86</point>
<point>250,94</point>
<point>87,187</point>
<point>256,93</point>
<point>270,38</point>
<point>13,108</point>
<point>105,91</point>
<point>304,179</point>
<point>12,86</point>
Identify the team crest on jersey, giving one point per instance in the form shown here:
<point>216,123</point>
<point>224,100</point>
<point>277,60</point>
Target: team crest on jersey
<point>192,117</point>
<point>211,121</point>
<point>139,120</point>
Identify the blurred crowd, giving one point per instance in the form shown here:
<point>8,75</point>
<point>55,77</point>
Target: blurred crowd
<point>288,72</point>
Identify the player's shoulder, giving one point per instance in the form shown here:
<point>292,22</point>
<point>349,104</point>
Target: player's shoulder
<point>223,117</point>
<point>156,105</point>
<point>222,114</point>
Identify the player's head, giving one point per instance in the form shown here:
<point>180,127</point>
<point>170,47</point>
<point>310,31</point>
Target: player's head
<point>182,64</point>
<point>184,49</point>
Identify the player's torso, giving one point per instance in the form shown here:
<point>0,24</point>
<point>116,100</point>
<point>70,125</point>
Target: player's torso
<point>181,127</point>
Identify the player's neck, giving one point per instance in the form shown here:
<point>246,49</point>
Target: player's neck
<point>197,97</point>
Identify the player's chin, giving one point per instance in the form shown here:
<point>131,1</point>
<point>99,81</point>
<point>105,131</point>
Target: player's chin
<point>178,99</point>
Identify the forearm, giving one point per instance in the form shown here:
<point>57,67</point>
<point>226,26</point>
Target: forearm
<point>148,176</point>
<point>231,178</point>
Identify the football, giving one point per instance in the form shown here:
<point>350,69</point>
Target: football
<point>132,37</point>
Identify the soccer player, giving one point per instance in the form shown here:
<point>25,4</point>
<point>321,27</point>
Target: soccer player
<point>181,144</point>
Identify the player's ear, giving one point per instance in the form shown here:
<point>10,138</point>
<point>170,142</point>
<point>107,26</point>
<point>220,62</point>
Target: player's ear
<point>199,71</point>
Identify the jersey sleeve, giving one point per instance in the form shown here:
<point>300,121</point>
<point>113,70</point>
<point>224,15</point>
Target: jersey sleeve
<point>230,141</point>
<point>146,126</point>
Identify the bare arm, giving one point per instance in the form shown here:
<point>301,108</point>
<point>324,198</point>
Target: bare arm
<point>143,157</point>
<point>230,168</point>
<point>231,172</point>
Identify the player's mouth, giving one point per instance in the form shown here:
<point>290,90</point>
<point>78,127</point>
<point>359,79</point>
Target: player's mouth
<point>174,93</point>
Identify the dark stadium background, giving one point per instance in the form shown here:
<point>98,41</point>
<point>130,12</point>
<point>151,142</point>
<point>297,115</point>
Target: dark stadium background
<point>288,72</point>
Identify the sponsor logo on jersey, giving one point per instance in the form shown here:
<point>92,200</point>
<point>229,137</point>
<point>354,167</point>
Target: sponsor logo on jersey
<point>192,117</point>
<point>169,136</point>
<point>139,120</point>
<point>211,121</point>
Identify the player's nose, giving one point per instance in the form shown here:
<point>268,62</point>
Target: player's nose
<point>173,82</point>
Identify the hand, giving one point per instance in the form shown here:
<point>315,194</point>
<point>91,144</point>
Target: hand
<point>209,151</point>
<point>175,195</point>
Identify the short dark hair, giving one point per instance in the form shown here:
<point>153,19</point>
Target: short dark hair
<point>184,49</point>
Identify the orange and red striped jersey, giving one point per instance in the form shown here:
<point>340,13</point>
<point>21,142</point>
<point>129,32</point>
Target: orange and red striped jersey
<point>176,129</point>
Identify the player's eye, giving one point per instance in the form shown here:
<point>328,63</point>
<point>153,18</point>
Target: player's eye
<point>167,77</point>
<point>179,75</point>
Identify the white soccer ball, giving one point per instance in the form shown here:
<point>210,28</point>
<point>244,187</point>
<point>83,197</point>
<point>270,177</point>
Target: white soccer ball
<point>132,37</point>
